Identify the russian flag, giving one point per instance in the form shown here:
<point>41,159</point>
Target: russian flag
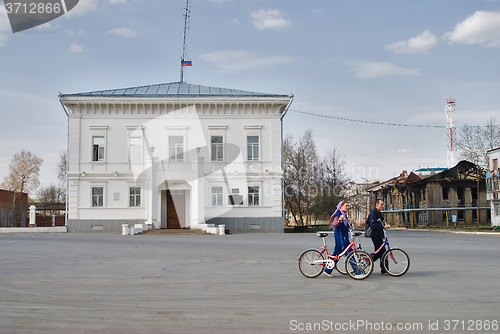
<point>186,62</point>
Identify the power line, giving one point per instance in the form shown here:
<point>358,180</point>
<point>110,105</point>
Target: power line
<point>369,122</point>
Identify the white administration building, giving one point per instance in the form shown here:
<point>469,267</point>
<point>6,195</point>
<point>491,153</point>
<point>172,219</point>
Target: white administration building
<point>175,155</point>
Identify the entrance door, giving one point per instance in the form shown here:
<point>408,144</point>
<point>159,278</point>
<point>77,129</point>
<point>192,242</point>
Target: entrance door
<point>175,208</point>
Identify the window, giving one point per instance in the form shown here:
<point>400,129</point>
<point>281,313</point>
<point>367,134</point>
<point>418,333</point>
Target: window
<point>98,149</point>
<point>176,148</point>
<point>445,194</point>
<point>217,148</point>
<point>496,209</point>
<point>97,196</point>
<point>135,197</point>
<point>135,149</point>
<point>216,196</point>
<point>253,196</point>
<point>235,198</point>
<point>473,192</point>
<point>253,147</point>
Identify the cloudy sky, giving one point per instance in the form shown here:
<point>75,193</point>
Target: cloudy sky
<point>375,61</point>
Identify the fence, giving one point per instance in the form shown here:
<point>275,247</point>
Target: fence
<point>48,221</point>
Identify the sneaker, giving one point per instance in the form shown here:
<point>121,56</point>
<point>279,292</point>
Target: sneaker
<point>327,274</point>
<point>383,272</point>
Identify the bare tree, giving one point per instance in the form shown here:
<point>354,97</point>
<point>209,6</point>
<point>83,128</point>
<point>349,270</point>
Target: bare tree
<point>23,175</point>
<point>49,196</point>
<point>475,141</point>
<point>300,167</point>
<point>62,172</point>
<point>331,181</point>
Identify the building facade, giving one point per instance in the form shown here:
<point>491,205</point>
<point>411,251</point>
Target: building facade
<point>453,197</point>
<point>493,185</point>
<point>175,155</point>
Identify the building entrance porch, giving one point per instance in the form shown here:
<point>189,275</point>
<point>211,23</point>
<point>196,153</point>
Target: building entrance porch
<point>175,208</point>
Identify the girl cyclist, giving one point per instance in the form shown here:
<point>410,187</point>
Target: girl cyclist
<point>340,222</point>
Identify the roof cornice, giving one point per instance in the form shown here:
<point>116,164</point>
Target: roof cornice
<point>72,99</point>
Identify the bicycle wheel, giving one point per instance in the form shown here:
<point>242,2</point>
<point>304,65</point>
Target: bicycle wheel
<point>311,263</point>
<point>396,262</point>
<point>359,265</point>
<point>341,265</point>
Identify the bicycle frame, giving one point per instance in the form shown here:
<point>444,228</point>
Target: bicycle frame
<point>386,242</point>
<point>347,250</point>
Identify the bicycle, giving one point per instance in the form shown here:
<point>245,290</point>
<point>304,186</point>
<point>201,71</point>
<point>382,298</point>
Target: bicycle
<point>396,261</point>
<point>358,263</point>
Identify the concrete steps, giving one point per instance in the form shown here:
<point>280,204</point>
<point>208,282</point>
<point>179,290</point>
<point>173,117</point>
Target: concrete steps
<point>181,231</point>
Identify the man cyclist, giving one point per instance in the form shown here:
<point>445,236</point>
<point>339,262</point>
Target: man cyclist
<point>377,223</point>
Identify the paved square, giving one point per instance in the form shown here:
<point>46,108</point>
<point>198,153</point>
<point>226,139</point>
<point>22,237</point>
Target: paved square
<point>243,283</point>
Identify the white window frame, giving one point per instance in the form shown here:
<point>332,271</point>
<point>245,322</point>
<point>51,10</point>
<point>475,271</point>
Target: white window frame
<point>217,131</point>
<point>92,196</point>
<point>216,148</point>
<point>135,149</point>
<point>178,149</point>
<point>98,132</point>
<point>217,197</point>
<point>132,198</point>
<point>251,196</point>
<point>135,132</point>
<point>253,131</point>
<point>176,131</point>
<point>101,148</point>
<point>253,149</point>
<point>235,194</point>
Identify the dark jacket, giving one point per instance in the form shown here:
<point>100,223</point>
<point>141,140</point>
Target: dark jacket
<point>376,219</point>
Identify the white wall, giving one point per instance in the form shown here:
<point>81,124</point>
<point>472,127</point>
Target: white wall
<point>196,124</point>
<point>495,217</point>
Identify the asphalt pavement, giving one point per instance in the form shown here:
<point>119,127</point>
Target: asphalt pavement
<point>241,283</point>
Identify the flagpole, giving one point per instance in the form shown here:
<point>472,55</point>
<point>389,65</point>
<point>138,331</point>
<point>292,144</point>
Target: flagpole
<point>186,16</point>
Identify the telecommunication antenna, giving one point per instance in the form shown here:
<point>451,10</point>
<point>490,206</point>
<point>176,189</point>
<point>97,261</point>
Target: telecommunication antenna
<point>451,130</point>
<point>184,61</point>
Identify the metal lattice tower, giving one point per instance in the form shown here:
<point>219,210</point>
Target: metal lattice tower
<point>451,131</point>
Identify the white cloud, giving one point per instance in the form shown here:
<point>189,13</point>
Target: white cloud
<point>45,26</point>
<point>79,32</point>
<point>269,19</point>
<point>480,28</point>
<point>5,28</point>
<point>219,1</point>
<point>421,44</point>
<point>238,61</point>
<point>117,1</point>
<point>83,7</point>
<point>123,32</point>
<point>75,48</point>
<point>373,69</point>
<point>403,151</point>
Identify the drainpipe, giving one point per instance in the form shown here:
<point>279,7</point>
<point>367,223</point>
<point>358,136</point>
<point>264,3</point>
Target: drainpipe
<point>67,162</point>
<point>282,154</point>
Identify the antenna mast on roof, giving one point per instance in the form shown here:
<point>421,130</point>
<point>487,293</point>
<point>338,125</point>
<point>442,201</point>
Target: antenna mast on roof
<point>451,130</point>
<point>184,61</point>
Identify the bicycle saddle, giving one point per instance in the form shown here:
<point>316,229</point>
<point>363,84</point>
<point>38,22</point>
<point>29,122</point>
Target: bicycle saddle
<point>357,234</point>
<point>322,234</point>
